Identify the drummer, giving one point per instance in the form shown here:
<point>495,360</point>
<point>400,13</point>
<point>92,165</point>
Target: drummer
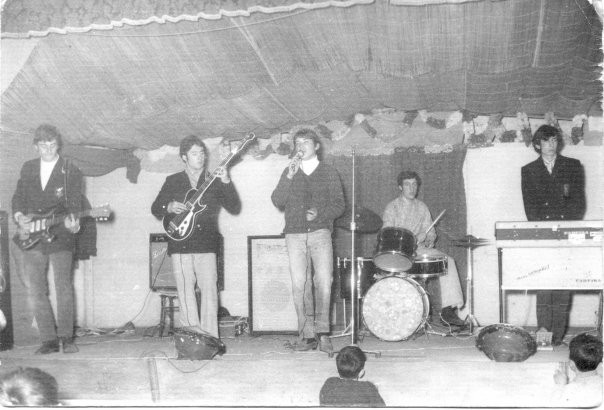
<point>408,212</point>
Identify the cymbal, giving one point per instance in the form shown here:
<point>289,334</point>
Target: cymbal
<point>366,220</point>
<point>470,241</point>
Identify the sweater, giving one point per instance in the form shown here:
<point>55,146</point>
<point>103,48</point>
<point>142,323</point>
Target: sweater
<point>322,189</point>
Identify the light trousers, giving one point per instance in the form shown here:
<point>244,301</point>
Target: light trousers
<point>197,268</point>
<point>311,292</point>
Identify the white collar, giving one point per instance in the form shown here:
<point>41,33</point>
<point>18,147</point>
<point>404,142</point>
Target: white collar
<point>308,166</point>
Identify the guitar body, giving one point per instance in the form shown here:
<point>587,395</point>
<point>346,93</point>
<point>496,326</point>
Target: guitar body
<point>27,239</point>
<point>179,226</point>
<point>41,224</point>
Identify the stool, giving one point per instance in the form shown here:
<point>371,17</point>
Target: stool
<point>167,309</point>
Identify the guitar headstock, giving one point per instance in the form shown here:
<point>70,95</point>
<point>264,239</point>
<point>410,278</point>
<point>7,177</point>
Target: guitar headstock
<point>248,138</point>
<point>101,213</point>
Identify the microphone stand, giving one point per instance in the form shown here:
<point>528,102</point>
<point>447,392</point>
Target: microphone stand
<point>355,285</point>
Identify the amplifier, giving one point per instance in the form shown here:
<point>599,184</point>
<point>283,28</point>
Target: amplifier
<point>161,276</point>
<point>6,334</point>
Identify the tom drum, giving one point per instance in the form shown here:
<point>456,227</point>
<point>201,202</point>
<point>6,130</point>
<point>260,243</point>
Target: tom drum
<point>395,250</point>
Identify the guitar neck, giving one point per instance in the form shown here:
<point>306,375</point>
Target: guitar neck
<point>211,178</point>
<point>56,219</point>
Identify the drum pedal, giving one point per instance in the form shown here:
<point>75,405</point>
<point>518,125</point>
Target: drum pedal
<point>544,340</point>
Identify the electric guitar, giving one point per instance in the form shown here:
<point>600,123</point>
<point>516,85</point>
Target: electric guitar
<point>39,227</point>
<point>179,226</point>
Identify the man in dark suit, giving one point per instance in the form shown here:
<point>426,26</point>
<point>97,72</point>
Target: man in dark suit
<point>553,188</point>
<point>50,183</point>
<point>194,256</point>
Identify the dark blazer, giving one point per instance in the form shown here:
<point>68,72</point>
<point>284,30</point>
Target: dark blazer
<point>63,193</point>
<point>205,235</point>
<point>559,196</point>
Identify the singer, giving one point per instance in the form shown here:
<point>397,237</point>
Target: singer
<point>310,192</point>
<point>553,188</point>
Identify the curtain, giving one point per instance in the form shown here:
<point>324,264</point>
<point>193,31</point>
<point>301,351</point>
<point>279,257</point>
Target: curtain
<point>442,187</point>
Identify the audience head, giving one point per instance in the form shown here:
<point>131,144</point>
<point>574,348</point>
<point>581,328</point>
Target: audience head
<point>350,361</point>
<point>544,133</point>
<point>28,386</point>
<point>585,352</point>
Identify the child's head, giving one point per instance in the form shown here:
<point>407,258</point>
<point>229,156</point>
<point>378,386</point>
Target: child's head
<point>585,352</point>
<point>350,362</point>
<point>28,386</point>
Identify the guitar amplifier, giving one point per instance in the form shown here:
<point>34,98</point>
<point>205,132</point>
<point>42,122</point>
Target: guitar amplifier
<point>6,334</point>
<point>161,276</point>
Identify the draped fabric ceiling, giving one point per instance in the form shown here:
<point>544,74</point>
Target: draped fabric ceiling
<point>144,73</point>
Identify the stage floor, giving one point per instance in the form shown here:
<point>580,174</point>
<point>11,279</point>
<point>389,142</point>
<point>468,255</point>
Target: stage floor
<point>428,370</point>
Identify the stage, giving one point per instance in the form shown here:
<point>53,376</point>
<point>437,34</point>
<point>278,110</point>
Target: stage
<point>128,367</point>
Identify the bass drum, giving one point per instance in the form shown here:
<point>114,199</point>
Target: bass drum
<point>394,308</point>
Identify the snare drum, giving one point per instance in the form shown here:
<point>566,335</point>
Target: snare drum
<point>395,250</point>
<point>429,263</point>
<point>365,269</point>
<point>394,308</point>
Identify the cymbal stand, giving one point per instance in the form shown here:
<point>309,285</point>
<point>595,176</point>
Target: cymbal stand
<point>470,290</point>
<point>355,285</point>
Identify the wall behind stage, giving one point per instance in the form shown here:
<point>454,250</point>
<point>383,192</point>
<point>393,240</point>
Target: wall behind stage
<point>116,289</point>
<point>492,180</point>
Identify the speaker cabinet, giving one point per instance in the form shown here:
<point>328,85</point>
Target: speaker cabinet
<point>271,304</point>
<point>161,276</point>
<point>6,335</point>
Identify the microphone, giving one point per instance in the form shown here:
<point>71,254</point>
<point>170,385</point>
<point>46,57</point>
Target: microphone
<point>299,154</point>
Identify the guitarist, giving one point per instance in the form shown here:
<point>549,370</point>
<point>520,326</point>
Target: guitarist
<point>50,183</point>
<point>194,257</point>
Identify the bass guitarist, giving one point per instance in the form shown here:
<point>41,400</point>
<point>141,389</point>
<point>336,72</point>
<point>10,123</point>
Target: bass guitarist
<point>194,253</point>
<point>45,184</point>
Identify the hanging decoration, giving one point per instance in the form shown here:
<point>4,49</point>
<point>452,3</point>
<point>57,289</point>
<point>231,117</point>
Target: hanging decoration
<point>495,128</point>
<point>577,131</point>
<point>432,121</point>
<point>409,117</point>
<point>524,129</point>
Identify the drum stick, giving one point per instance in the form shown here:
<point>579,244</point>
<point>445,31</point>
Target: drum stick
<point>436,220</point>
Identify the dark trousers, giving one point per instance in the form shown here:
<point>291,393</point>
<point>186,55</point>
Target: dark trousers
<point>553,310</point>
<point>36,269</point>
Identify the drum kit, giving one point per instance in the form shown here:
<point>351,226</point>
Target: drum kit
<point>391,285</point>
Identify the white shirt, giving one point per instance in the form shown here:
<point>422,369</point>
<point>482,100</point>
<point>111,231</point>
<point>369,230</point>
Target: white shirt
<point>549,164</point>
<point>309,165</point>
<point>45,171</point>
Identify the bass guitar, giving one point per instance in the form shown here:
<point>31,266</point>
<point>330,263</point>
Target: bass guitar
<point>179,226</point>
<point>39,227</point>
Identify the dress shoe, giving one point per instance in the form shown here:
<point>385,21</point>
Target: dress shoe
<point>450,318</point>
<point>69,345</point>
<point>305,345</point>
<point>50,346</point>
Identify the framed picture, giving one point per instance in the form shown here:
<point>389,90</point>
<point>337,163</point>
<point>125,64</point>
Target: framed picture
<point>271,304</point>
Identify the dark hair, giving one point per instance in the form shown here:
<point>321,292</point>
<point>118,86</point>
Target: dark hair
<point>586,352</point>
<point>408,175</point>
<point>47,132</point>
<point>187,143</point>
<point>350,361</point>
<point>28,386</point>
<point>545,132</point>
<point>308,134</point>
